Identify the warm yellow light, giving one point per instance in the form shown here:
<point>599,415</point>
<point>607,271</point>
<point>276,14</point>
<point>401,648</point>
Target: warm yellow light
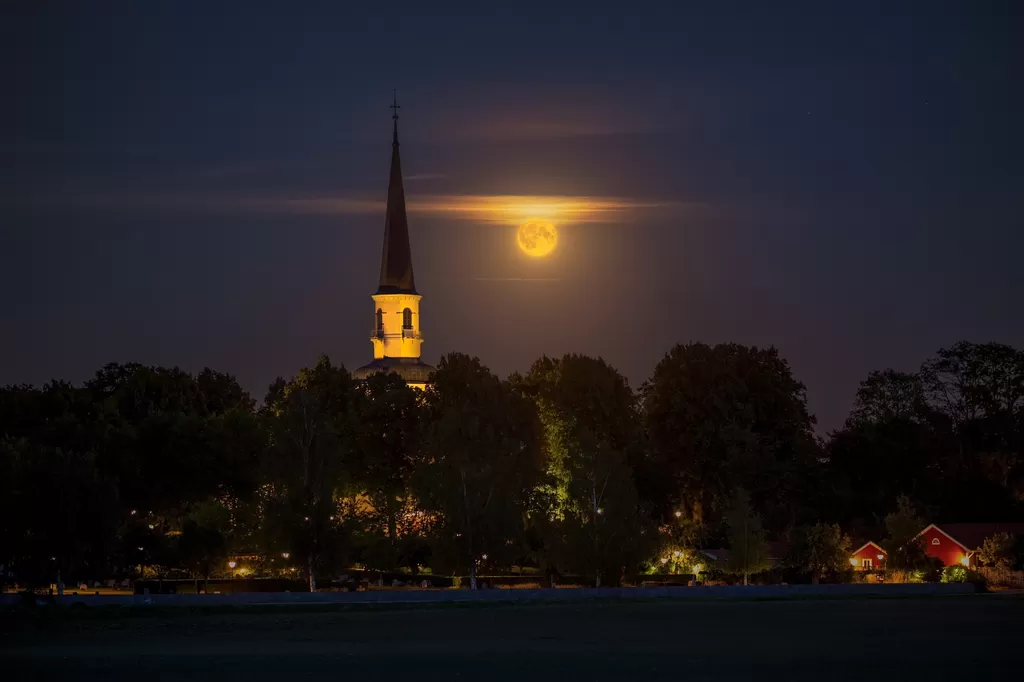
<point>537,237</point>
<point>966,561</point>
<point>853,561</point>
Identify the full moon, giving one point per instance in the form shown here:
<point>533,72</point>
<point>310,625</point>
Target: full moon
<point>537,238</point>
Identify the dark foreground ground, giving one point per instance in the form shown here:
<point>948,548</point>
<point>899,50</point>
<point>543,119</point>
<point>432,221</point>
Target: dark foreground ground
<point>956,638</point>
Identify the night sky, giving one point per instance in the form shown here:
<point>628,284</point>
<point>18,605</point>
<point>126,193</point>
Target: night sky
<point>202,184</point>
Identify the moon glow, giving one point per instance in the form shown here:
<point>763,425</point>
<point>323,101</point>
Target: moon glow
<point>537,238</point>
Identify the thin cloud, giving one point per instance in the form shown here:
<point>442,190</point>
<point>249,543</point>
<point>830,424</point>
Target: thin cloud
<point>515,130</point>
<point>424,176</point>
<point>496,209</point>
<point>500,209</point>
<point>517,279</point>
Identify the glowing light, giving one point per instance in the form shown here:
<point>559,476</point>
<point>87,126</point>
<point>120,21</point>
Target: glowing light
<point>484,557</point>
<point>151,526</point>
<point>232,564</point>
<point>966,561</point>
<point>537,237</point>
<point>881,556</point>
<point>698,568</point>
<point>678,514</point>
<point>675,554</point>
<point>664,559</point>
<point>134,512</point>
<point>285,555</point>
<point>853,561</point>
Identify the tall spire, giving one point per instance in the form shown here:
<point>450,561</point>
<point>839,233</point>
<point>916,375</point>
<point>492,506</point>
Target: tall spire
<point>396,259</point>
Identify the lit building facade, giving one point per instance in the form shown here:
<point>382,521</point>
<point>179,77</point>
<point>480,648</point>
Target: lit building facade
<point>395,334</point>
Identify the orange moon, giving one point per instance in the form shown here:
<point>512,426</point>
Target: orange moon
<point>537,238</point>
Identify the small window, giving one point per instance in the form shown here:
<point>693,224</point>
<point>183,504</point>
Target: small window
<point>407,318</point>
<point>935,541</point>
<point>380,320</point>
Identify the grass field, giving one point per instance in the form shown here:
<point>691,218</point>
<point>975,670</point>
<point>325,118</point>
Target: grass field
<point>939,638</point>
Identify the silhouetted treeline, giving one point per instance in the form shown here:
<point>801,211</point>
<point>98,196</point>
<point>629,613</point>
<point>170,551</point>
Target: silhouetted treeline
<point>149,470</point>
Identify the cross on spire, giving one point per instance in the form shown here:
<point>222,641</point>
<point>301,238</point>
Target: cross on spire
<point>394,114</point>
<point>394,105</point>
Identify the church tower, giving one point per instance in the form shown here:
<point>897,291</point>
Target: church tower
<point>396,336</point>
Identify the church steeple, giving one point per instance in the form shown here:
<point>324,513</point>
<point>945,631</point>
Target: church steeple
<point>396,336</point>
<point>396,258</point>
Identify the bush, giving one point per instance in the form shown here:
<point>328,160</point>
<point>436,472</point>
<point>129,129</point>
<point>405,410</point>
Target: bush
<point>962,574</point>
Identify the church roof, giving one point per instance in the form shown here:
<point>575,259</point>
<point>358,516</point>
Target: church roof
<point>412,370</point>
<point>396,258</point>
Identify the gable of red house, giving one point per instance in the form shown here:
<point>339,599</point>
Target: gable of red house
<point>958,543</point>
<point>869,557</point>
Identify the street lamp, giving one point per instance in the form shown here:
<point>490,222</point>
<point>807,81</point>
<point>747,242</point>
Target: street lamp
<point>232,564</point>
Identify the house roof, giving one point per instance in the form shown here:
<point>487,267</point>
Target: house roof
<point>412,370</point>
<point>870,544</point>
<point>970,536</point>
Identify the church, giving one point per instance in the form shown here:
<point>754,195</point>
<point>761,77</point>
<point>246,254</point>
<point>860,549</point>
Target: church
<point>396,333</point>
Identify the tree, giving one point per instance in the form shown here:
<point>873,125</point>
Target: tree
<point>818,549</point>
<point>311,451</point>
<point>201,548</point>
<point>889,395</point>
<point>870,463</point>
<point>905,553</point>
<point>748,551</point>
<point>482,462</point>
<point>999,550</point>
<point>977,394</point>
<point>729,416</point>
<point>389,435</point>
<point>968,381</point>
<point>950,437</point>
<point>62,518</point>
<point>594,522</point>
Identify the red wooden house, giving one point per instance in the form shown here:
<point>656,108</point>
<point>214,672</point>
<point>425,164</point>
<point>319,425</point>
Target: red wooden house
<point>958,543</point>
<point>869,557</point>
